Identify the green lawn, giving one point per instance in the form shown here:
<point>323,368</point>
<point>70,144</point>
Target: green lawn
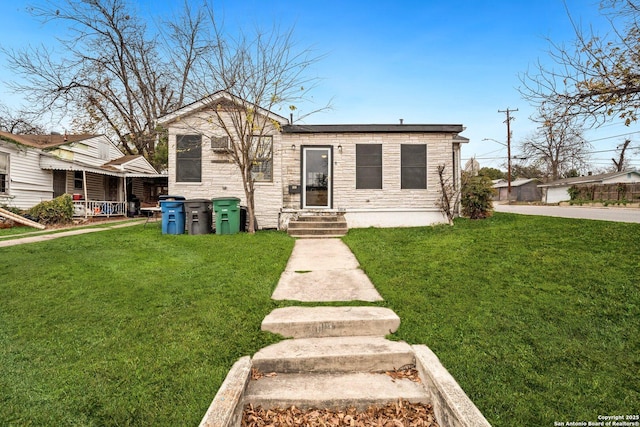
<point>537,318</point>
<point>130,327</point>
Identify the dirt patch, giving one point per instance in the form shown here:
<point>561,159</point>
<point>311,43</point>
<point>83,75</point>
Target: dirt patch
<point>396,414</point>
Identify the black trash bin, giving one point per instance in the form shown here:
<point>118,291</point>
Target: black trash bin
<point>199,217</point>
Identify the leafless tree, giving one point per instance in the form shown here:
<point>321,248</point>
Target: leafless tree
<point>17,123</point>
<point>112,73</point>
<point>597,78</point>
<point>262,71</point>
<point>557,146</point>
<point>622,161</point>
<point>449,202</point>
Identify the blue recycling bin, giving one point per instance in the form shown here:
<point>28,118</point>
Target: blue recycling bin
<point>172,208</point>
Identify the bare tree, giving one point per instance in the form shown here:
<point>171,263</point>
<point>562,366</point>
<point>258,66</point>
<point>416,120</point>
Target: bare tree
<point>557,146</point>
<point>261,72</point>
<point>17,123</point>
<point>112,73</point>
<point>449,202</point>
<point>622,162</point>
<point>597,78</point>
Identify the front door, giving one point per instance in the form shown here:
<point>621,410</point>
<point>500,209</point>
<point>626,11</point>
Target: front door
<point>59,183</point>
<point>316,177</point>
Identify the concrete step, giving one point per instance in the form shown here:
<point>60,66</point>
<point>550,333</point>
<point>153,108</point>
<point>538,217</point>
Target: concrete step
<point>317,236</point>
<point>317,232</point>
<point>324,218</point>
<point>316,322</point>
<point>334,354</point>
<point>332,391</point>
<point>318,224</point>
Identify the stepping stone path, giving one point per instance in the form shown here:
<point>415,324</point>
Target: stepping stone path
<point>336,357</point>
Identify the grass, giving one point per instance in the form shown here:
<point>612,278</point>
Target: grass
<point>537,318</point>
<point>130,327</point>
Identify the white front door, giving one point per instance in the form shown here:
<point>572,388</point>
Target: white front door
<point>316,177</point>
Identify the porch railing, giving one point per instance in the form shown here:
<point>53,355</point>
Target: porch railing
<point>99,208</point>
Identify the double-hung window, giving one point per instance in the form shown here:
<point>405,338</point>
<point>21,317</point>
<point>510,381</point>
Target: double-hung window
<point>4,173</point>
<point>413,166</point>
<point>368,166</point>
<point>262,155</point>
<point>188,158</point>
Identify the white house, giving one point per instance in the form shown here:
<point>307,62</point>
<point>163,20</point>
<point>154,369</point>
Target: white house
<point>381,175</point>
<point>558,191</point>
<point>36,168</point>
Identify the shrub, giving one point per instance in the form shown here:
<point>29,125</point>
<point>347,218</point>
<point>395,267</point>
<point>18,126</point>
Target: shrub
<point>476,197</point>
<point>573,192</point>
<point>56,211</point>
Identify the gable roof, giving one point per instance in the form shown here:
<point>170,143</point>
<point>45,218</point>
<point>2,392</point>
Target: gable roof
<point>208,101</point>
<point>374,128</point>
<point>589,178</point>
<point>44,141</point>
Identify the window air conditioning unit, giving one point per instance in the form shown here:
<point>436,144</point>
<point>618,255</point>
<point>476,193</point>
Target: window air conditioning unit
<point>220,143</point>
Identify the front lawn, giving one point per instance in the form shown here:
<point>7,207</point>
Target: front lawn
<point>130,327</point>
<point>537,318</point>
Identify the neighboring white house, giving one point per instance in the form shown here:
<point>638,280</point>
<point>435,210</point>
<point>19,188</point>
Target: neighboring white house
<point>558,191</point>
<point>36,168</point>
<point>376,175</point>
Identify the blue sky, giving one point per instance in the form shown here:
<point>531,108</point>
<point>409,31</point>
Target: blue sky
<point>421,61</point>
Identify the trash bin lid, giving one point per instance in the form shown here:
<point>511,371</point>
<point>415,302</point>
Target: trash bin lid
<point>166,197</point>
<point>225,199</point>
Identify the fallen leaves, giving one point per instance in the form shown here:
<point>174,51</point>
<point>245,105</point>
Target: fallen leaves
<point>398,414</point>
<point>405,372</point>
<point>256,374</point>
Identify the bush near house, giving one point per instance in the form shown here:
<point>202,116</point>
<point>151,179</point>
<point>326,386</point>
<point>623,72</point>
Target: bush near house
<point>56,211</point>
<point>476,197</point>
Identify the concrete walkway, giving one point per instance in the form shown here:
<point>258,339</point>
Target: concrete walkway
<point>335,357</point>
<point>73,232</point>
<point>322,270</point>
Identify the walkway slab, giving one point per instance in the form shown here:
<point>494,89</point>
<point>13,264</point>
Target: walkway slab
<point>316,322</point>
<point>321,270</point>
<point>334,354</point>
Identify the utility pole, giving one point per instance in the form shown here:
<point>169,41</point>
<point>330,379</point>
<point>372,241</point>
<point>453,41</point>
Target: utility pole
<point>508,122</point>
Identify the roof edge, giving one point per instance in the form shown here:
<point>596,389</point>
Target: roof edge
<point>374,128</point>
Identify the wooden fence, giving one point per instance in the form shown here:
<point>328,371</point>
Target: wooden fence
<point>608,192</point>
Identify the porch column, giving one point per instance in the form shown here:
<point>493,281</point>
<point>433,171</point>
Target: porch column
<point>86,197</point>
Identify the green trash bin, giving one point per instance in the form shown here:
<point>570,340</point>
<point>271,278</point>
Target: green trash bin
<point>227,210</point>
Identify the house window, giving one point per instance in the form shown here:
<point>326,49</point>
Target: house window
<point>4,173</point>
<point>368,166</point>
<point>188,158</point>
<point>262,153</point>
<point>78,181</point>
<point>413,166</point>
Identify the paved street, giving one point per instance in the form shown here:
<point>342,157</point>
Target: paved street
<point>617,214</point>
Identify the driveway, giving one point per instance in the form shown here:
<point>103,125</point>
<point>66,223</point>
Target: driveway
<point>617,214</point>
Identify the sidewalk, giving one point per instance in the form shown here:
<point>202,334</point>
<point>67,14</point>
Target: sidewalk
<point>42,237</point>
<point>334,357</point>
<point>321,270</point>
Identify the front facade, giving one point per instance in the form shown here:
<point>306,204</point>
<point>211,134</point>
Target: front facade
<point>37,168</point>
<point>375,175</point>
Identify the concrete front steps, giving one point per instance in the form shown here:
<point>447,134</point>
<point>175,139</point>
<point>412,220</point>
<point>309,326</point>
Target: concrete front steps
<point>317,226</point>
<point>338,359</point>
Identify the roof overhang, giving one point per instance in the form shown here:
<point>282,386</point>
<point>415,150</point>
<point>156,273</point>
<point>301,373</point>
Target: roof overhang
<point>49,162</point>
<point>211,100</point>
<point>375,128</point>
